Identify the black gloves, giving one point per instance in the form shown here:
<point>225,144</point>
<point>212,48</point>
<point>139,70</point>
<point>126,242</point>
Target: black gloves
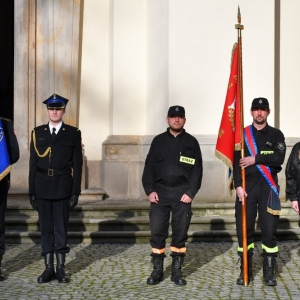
<point>73,201</point>
<point>33,202</point>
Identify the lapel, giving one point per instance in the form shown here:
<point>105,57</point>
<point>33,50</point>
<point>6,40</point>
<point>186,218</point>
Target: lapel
<point>47,133</point>
<point>61,133</point>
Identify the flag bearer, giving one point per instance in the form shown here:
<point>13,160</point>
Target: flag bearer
<point>9,154</point>
<point>264,155</point>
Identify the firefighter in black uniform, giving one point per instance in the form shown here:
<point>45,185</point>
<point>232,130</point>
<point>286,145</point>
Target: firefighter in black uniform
<point>55,169</point>
<point>12,145</point>
<point>264,154</point>
<point>172,176</point>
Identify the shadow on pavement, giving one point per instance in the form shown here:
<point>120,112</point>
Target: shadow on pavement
<point>199,252</point>
<point>22,260</point>
<point>98,249</point>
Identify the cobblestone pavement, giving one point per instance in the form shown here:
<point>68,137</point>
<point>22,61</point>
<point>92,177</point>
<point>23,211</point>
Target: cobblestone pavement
<point>120,271</point>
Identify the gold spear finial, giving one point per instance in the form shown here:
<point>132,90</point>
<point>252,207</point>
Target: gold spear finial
<point>239,18</point>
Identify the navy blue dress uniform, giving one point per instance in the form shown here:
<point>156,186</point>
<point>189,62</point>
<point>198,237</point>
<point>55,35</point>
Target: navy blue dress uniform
<point>270,144</point>
<point>55,170</point>
<point>14,153</point>
<point>173,168</point>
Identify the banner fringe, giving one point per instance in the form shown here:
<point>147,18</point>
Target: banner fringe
<point>273,212</point>
<point>228,163</point>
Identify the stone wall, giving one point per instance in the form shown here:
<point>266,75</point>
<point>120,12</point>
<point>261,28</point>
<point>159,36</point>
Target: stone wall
<point>123,163</point>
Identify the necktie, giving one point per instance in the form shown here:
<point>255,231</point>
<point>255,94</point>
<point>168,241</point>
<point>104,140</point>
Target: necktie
<point>53,133</point>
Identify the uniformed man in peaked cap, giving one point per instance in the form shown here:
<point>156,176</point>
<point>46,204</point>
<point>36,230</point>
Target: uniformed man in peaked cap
<point>172,177</point>
<point>55,170</point>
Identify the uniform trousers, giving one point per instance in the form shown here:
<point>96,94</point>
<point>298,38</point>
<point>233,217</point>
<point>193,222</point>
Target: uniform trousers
<point>3,205</point>
<point>258,195</point>
<point>169,201</point>
<point>53,219</point>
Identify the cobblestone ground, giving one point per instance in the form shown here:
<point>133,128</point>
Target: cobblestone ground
<point>120,271</point>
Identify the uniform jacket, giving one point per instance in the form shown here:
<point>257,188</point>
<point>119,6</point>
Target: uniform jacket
<point>66,153</point>
<point>168,164</point>
<point>270,152</point>
<point>292,174</point>
<point>11,140</point>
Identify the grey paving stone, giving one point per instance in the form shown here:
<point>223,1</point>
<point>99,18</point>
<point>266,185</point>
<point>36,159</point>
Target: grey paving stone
<point>120,271</point>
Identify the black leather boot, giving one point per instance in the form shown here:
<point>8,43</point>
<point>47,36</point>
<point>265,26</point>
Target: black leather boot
<point>49,273</point>
<point>240,280</point>
<point>158,269</point>
<point>60,268</point>
<point>269,264</point>
<point>1,274</point>
<point>177,262</point>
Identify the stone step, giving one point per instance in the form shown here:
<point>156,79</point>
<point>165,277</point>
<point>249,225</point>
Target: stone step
<point>15,223</point>
<point>110,221</point>
<point>98,237</point>
<point>86,195</point>
<point>125,209</point>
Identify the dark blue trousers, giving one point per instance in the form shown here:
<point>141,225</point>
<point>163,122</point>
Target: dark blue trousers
<point>53,219</point>
<point>3,204</point>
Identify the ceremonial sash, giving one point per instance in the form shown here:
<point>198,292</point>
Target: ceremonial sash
<point>274,202</point>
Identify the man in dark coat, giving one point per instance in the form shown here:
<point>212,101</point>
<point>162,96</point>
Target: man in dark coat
<point>172,176</point>
<point>55,170</point>
<point>7,135</point>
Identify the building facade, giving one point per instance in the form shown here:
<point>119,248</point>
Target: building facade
<point>122,63</point>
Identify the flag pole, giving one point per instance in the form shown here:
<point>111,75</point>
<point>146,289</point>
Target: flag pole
<point>239,28</point>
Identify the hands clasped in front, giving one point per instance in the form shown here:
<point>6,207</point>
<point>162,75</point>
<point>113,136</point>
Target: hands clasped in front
<point>153,197</point>
<point>73,201</point>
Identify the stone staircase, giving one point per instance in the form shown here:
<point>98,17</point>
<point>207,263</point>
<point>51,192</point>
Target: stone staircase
<point>96,220</point>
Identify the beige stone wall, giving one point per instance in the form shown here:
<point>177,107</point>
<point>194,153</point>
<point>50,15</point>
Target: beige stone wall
<point>122,63</point>
<point>123,163</point>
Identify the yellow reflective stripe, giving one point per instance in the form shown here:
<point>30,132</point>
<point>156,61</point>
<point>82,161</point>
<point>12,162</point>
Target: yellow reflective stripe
<point>187,160</point>
<point>251,246</point>
<point>266,152</point>
<point>158,251</point>
<point>269,250</point>
<point>178,250</point>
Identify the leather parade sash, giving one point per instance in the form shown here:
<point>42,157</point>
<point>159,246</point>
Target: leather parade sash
<point>274,206</point>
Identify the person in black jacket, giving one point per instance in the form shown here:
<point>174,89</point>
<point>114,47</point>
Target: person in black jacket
<point>292,177</point>
<point>264,154</point>
<point>172,176</point>
<point>55,169</point>
<point>6,131</point>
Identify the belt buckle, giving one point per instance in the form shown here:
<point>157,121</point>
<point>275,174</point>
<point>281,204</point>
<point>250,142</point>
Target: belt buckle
<point>50,172</point>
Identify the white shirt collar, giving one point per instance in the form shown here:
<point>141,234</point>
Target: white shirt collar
<point>57,127</point>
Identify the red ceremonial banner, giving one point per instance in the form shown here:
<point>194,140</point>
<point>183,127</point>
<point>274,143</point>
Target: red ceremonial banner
<point>229,137</point>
